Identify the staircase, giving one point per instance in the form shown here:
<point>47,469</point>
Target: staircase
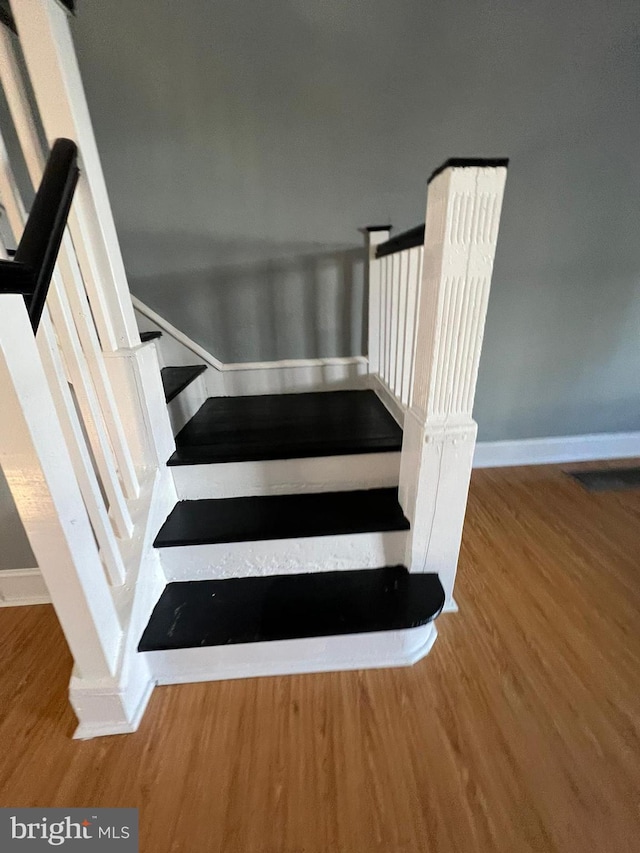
<point>300,573</point>
<point>194,520</point>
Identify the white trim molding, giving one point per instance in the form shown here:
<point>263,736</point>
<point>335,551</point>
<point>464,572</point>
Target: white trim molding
<point>289,376</point>
<point>557,449</point>
<point>205,356</point>
<point>289,657</point>
<point>19,587</point>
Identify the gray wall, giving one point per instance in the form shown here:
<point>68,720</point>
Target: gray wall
<point>15,551</point>
<point>245,143</point>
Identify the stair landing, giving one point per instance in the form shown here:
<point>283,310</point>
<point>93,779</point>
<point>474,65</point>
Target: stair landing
<point>287,426</point>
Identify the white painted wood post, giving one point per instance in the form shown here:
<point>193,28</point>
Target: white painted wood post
<point>48,50</point>
<point>376,234</point>
<point>463,215</point>
<point>36,463</point>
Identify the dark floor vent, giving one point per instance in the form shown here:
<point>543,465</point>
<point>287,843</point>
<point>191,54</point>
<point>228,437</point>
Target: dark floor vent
<point>608,479</point>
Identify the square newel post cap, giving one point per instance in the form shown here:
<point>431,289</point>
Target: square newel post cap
<point>469,162</point>
<point>374,235</point>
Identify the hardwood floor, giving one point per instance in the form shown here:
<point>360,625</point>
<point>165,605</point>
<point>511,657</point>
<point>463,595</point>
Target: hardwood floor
<point>520,732</point>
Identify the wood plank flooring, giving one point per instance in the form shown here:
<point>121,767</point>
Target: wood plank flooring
<point>520,732</point>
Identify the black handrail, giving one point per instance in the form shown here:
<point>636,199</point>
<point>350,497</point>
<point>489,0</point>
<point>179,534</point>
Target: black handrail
<point>31,269</point>
<point>407,240</point>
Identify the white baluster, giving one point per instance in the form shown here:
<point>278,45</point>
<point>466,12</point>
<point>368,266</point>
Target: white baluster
<point>375,236</point>
<point>401,323</point>
<point>394,319</point>
<point>412,291</point>
<point>88,402</point>
<point>391,261</point>
<point>383,315</point>
<point>80,459</point>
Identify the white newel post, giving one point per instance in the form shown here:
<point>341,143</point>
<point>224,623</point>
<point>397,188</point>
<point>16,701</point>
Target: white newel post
<point>46,43</point>
<point>463,215</point>
<point>375,236</point>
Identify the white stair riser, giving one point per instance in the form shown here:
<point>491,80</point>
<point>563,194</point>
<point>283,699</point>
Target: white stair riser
<point>184,406</point>
<point>287,476</point>
<point>289,657</point>
<point>283,556</point>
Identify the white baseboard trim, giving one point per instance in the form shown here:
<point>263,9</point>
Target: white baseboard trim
<point>104,699</point>
<point>184,406</point>
<point>556,449</point>
<point>291,363</point>
<point>293,657</point>
<point>391,402</point>
<point>20,587</point>
<point>289,376</point>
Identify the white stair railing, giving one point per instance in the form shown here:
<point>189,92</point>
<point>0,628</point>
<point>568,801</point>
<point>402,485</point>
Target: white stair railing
<point>46,43</point>
<point>85,429</point>
<point>35,459</point>
<point>90,260</point>
<point>67,373</point>
<point>395,271</point>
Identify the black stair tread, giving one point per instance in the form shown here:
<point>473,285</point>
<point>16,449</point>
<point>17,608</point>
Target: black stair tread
<point>250,519</point>
<point>193,614</point>
<point>149,336</point>
<point>176,379</point>
<point>287,426</point>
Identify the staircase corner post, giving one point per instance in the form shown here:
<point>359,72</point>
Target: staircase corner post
<point>463,214</point>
